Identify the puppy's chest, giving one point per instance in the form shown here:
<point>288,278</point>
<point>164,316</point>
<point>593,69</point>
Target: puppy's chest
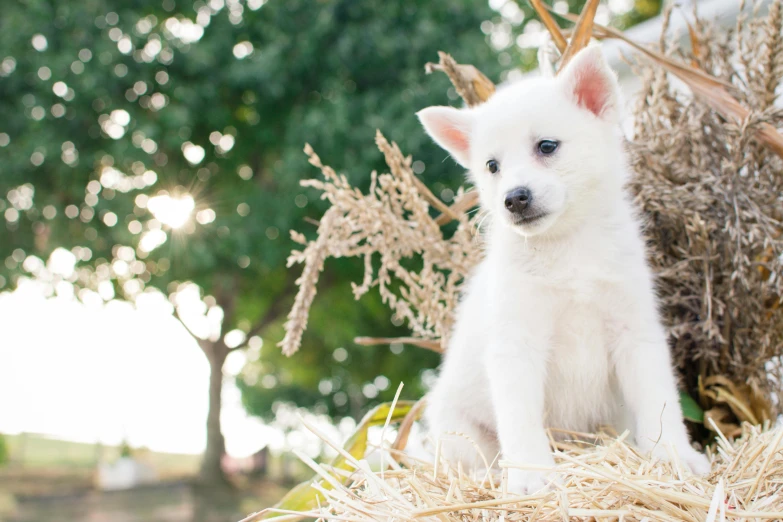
<point>579,372</point>
<point>580,333</point>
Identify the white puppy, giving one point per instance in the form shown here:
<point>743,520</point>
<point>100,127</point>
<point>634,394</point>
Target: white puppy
<point>558,326</point>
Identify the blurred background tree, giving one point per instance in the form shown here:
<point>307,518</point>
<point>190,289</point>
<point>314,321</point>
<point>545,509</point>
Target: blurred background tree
<point>153,148</point>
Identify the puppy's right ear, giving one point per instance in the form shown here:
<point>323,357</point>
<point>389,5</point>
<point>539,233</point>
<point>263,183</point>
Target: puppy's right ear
<point>450,128</point>
<point>591,84</point>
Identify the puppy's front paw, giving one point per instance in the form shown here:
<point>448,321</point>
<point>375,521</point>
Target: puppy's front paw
<point>526,482</point>
<point>697,463</point>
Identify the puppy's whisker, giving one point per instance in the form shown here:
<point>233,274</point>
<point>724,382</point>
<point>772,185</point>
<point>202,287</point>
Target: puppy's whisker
<point>482,220</point>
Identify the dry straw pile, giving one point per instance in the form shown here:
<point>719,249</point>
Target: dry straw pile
<point>608,481</point>
<point>708,174</point>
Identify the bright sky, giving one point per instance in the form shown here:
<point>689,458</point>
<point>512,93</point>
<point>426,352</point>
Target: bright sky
<point>108,372</point>
<point>96,371</point>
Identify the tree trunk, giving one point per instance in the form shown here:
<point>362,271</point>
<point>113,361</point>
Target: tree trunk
<point>211,470</point>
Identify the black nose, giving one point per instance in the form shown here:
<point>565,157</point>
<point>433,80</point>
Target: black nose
<point>518,200</point>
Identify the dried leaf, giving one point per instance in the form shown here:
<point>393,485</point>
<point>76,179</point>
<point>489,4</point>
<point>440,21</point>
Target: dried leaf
<point>304,497</point>
<point>582,32</point>
<point>695,43</point>
<point>470,83</point>
<point>550,24</point>
<point>404,430</point>
<point>356,444</point>
<point>721,418</point>
<point>738,397</point>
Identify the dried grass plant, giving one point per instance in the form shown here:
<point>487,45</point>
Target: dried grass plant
<point>388,227</point>
<point>606,481</point>
<point>712,194</point>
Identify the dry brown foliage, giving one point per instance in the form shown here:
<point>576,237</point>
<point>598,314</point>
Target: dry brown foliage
<point>711,193</point>
<point>391,223</point>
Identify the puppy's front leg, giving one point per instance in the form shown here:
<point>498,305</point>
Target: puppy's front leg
<point>647,382</point>
<point>516,365</point>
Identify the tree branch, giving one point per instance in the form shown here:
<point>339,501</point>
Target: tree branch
<point>226,298</point>
<point>202,343</point>
<point>429,344</point>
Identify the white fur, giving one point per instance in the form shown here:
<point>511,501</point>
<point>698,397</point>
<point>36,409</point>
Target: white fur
<point>558,326</point>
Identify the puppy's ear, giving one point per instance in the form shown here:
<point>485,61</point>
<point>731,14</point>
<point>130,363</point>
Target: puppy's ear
<point>591,84</point>
<point>450,128</point>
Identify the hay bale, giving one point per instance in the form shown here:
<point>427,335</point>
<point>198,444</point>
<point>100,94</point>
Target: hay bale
<point>609,481</point>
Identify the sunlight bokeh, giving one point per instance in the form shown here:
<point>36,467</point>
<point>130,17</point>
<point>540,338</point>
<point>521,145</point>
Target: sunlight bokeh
<point>171,211</point>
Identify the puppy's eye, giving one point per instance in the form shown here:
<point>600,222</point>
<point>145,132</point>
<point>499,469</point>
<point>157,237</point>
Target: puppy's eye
<point>547,147</point>
<point>493,166</point>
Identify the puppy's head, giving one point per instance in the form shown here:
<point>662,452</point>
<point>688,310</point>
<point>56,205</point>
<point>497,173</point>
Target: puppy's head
<point>543,153</point>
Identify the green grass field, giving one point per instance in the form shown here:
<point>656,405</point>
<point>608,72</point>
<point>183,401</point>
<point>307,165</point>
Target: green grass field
<point>36,451</point>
